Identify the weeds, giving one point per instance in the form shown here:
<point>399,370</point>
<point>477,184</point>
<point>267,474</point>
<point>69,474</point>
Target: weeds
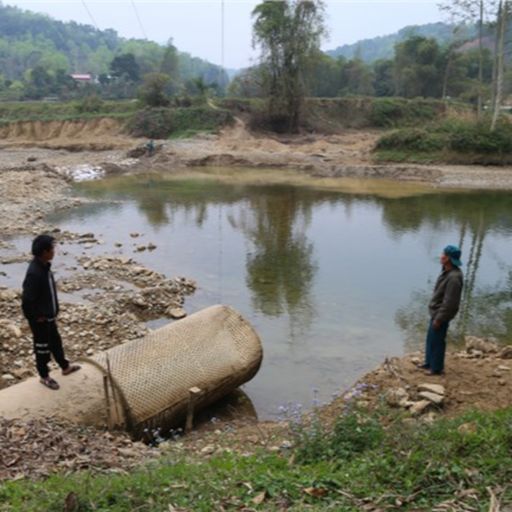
<point>368,459</point>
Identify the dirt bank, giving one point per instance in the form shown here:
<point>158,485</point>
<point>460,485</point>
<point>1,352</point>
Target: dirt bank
<point>64,145</point>
<point>72,135</point>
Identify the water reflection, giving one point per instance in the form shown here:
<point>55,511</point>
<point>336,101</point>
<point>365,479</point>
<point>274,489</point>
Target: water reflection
<point>333,282</point>
<point>280,269</point>
<point>280,264</point>
<point>485,309</point>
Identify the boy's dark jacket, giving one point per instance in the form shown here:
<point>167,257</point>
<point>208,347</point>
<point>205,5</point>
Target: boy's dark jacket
<point>37,296</point>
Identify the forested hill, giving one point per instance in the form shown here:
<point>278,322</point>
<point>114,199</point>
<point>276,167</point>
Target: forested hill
<point>29,40</point>
<point>370,50</point>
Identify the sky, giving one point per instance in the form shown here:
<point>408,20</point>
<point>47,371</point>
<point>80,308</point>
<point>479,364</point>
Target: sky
<point>196,26</point>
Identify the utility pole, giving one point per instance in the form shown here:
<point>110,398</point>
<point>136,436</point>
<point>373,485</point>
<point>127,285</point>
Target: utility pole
<point>500,59</point>
<point>480,59</point>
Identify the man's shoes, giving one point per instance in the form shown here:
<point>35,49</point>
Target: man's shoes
<point>423,366</point>
<point>431,372</point>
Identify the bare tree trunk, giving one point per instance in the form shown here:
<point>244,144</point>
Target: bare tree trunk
<point>480,59</point>
<point>502,24</point>
<point>447,74</point>
<point>495,66</point>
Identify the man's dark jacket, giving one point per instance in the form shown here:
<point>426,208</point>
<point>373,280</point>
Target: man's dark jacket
<point>37,299</point>
<point>445,300</point>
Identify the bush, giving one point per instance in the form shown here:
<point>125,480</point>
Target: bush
<point>90,104</point>
<point>414,139</point>
<point>388,112</point>
<point>479,138</point>
<point>200,118</point>
<point>154,123</point>
<point>278,123</point>
<point>152,91</point>
<point>160,123</point>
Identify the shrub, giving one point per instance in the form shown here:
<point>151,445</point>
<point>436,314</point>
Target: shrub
<point>415,139</point>
<point>201,118</point>
<point>160,123</point>
<point>89,104</point>
<point>388,112</point>
<point>479,138</point>
<point>154,123</point>
<point>152,91</point>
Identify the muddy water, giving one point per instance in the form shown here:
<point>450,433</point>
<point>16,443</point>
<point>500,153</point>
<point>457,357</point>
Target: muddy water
<point>333,280</point>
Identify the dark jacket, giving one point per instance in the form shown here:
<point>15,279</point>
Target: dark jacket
<point>39,298</point>
<point>445,300</point>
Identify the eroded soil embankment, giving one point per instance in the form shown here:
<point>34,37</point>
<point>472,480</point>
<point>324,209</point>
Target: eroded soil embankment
<point>348,154</point>
<point>98,134</point>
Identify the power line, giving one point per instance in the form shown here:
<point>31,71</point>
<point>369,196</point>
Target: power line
<point>90,15</point>
<point>221,70</point>
<point>139,20</point>
<point>222,33</point>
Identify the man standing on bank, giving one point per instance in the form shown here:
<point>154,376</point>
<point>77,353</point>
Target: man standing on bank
<point>443,306</point>
<point>41,307</point>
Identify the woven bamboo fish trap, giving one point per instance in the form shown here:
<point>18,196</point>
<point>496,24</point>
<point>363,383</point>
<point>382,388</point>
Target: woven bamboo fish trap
<point>147,383</point>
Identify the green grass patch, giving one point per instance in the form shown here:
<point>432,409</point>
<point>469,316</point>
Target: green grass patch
<point>404,156</point>
<point>69,110</point>
<point>354,463</point>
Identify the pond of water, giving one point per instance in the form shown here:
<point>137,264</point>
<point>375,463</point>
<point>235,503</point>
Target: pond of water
<point>332,281</point>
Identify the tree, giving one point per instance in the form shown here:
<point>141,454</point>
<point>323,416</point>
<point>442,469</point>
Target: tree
<point>152,91</point>
<point>383,83</point>
<point>170,61</point>
<point>357,78</point>
<point>40,83</point>
<point>125,65</point>
<point>473,10</point>
<point>500,61</point>
<point>417,68</point>
<point>288,33</point>
<point>246,84</point>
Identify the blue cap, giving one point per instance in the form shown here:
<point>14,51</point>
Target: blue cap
<point>453,252</point>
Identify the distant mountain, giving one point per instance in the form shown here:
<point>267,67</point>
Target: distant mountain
<point>370,50</point>
<point>29,40</point>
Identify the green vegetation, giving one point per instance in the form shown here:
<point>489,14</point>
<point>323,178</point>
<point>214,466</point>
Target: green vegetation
<point>364,459</point>
<point>389,112</point>
<point>88,107</point>
<point>289,35</point>
<point>455,141</point>
<point>160,123</point>
<point>383,47</point>
<point>37,55</point>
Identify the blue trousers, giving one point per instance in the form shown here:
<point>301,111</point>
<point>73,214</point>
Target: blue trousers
<point>435,347</point>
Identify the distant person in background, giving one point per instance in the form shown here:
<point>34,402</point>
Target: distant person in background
<point>443,307</point>
<point>150,147</point>
<point>41,307</point>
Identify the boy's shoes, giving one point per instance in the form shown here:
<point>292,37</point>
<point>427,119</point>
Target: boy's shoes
<point>71,369</point>
<point>50,383</point>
